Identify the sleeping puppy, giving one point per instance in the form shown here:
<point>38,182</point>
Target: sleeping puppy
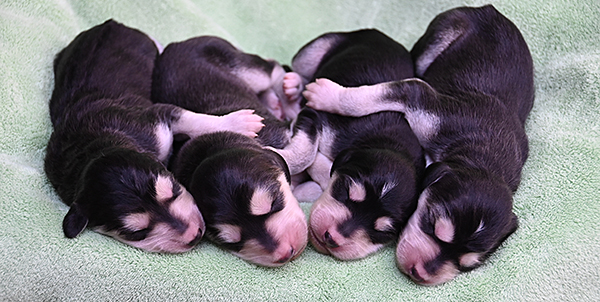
<point>375,162</point>
<point>105,156</point>
<point>242,189</point>
<point>469,115</point>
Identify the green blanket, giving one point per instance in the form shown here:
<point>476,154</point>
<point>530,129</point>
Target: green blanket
<point>554,256</point>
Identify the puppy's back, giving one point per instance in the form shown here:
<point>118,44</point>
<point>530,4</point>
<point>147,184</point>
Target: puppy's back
<point>352,61</point>
<point>87,68</point>
<point>477,50</point>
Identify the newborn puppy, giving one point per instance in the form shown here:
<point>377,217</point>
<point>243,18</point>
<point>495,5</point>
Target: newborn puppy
<point>105,155</point>
<point>242,189</point>
<point>377,160</point>
<point>469,115</point>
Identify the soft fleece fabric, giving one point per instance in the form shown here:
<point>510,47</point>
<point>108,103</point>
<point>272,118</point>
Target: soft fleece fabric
<point>554,256</point>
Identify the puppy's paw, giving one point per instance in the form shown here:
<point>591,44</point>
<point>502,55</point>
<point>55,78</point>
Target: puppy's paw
<point>324,95</point>
<point>292,86</point>
<point>243,121</point>
<point>307,191</point>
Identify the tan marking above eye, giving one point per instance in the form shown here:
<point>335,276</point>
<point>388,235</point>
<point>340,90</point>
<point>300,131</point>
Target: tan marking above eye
<point>183,206</point>
<point>357,192</point>
<point>384,223</point>
<point>229,233</point>
<point>136,221</point>
<point>444,230</point>
<point>164,188</point>
<point>261,202</point>
<point>469,259</point>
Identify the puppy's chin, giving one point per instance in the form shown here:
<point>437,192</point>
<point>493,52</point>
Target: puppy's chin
<point>325,217</point>
<point>415,250</point>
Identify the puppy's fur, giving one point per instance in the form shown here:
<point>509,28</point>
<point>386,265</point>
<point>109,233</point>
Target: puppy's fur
<point>469,114</point>
<point>105,155</point>
<point>242,189</point>
<point>378,160</point>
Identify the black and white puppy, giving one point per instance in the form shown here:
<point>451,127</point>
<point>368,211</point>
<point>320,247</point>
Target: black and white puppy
<point>375,162</point>
<point>469,115</point>
<point>105,156</point>
<point>242,189</point>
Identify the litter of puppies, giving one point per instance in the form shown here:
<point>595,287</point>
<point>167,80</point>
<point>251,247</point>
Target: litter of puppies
<point>158,147</point>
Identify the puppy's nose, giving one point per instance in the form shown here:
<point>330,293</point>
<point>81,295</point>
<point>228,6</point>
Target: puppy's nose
<point>287,256</point>
<point>197,239</point>
<point>329,241</point>
<point>414,274</point>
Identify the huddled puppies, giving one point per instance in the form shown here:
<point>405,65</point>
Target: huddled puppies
<point>423,148</point>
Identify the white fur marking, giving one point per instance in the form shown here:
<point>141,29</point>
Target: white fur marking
<point>424,124</point>
<point>388,186</point>
<point>309,58</point>
<point>435,49</point>
<point>164,137</point>
<point>481,227</point>
<point>257,80</point>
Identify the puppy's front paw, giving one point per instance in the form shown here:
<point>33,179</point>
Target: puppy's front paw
<point>244,122</point>
<point>292,86</point>
<point>324,95</point>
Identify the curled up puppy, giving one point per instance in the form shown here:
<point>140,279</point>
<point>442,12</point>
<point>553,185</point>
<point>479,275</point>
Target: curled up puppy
<point>468,110</point>
<point>106,155</point>
<point>242,189</point>
<point>370,167</point>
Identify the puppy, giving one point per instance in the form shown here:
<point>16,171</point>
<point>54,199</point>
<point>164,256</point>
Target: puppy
<point>242,189</point>
<point>375,162</point>
<point>105,156</point>
<point>468,112</point>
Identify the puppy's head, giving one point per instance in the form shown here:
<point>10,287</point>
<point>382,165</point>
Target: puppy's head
<point>370,197</point>
<point>461,218</point>
<point>246,198</point>
<point>133,198</point>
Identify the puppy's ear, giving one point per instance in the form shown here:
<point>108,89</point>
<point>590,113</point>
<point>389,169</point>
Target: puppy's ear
<point>75,222</point>
<point>512,226</point>
<point>279,161</point>
<point>342,158</point>
<point>433,173</point>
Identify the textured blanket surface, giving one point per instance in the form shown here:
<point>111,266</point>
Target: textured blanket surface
<point>554,256</point>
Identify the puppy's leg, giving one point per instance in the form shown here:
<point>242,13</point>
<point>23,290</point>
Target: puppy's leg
<point>320,169</point>
<point>415,98</point>
<point>195,124</point>
<point>300,153</point>
<point>293,85</point>
<point>308,191</point>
